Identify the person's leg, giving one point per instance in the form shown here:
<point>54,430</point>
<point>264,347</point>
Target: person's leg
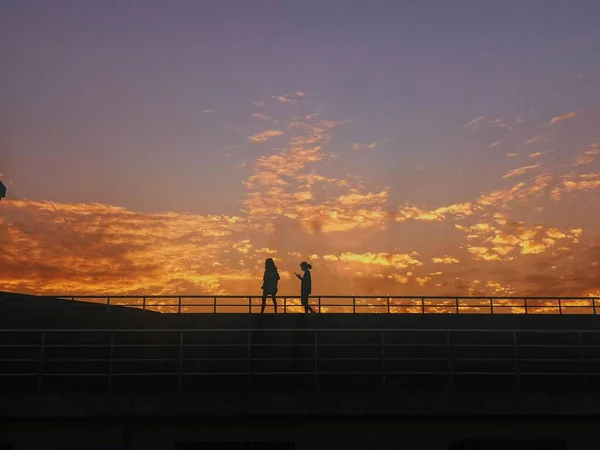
<point>264,302</point>
<point>274,297</point>
<point>304,301</point>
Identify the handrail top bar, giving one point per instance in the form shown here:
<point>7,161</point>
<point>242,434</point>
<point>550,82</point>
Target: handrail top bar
<point>295,330</point>
<point>418,297</point>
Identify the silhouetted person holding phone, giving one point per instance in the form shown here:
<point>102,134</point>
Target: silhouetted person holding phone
<point>269,287</point>
<point>305,286</point>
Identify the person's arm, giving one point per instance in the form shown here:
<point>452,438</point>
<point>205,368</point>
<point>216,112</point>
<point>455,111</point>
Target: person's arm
<point>299,276</point>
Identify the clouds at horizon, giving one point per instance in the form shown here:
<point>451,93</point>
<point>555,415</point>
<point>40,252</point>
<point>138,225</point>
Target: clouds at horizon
<point>297,205</point>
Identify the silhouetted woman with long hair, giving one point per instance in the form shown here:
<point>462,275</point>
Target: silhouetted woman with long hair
<point>269,287</point>
<point>305,286</point>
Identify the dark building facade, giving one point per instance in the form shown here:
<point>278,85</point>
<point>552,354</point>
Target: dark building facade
<point>87,377</point>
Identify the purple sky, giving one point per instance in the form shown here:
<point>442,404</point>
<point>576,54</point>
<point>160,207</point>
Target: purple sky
<point>148,105</point>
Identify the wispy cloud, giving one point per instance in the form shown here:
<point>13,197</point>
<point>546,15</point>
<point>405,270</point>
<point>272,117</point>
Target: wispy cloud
<point>587,156</point>
<point>567,116</point>
<point>538,154</point>
<point>259,103</point>
<point>495,144</point>
<point>301,94</point>
<point>370,146</point>
<point>260,116</point>
<point>208,111</point>
<point>520,171</point>
<point>265,135</point>
<point>286,99</point>
<point>535,139</point>
<point>474,124</point>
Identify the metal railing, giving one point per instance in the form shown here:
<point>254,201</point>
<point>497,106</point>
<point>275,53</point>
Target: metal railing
<point>384,356</point>
<point>339,304</point>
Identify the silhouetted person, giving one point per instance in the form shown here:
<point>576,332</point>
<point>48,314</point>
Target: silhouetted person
<point>269,287</point>
<point>305,286</point>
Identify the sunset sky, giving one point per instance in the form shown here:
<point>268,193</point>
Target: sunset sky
<point>401,147</point>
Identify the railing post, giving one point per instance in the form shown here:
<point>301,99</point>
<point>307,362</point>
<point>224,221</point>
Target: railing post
<point>319,305</point>
<point>249,305</point>
<point>559,306</point>
<point>41,362</point>
<point>449,349</point>
<point>582,355</point>
<point>422,305</point>
<point>388,305</point>
<point>284,305</point>
<point>111,353</point>
<point>594,305</point>
<point>383,371</point>
<point>144,304</point>
<point>107,304</point>
<point>316,360</point>
<point>526,307</point>
<point>214,305</point>
<point>179,306</point>
<point>457,312</point>
<point>516,352</point>
<point>180,374</point>
<point>353,305</point>
<point>491,306</point>
<point>249,359</point>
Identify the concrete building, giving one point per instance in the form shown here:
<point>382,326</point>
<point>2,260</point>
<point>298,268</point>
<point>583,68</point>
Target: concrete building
<point>84,376</point>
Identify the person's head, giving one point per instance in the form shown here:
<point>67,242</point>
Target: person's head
<point>270,264</point>
<point>305,266</point>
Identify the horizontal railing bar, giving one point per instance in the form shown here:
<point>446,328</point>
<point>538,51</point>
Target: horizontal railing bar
<point>214,374</point>
<point>288,359</point>
<point>296,345</point>
<point>259,296</point>
<point>295,330</point>
<point>417,301</point>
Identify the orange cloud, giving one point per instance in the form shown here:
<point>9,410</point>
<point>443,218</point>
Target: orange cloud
<point>265,135</point>
<point>102,248</point>
<point>567,116</point>
<point>397,261</point>
<point>445,260</point>
<point>520,171</point>
<point>286,99</point>
<point>588,156</point>
<point>459,210</point>
<point>537,154</point>
<point>574,183</point>
<point>282,186</point>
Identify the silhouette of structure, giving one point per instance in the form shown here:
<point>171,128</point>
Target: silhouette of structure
<point>2,190</point>
<point>123,377</point>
